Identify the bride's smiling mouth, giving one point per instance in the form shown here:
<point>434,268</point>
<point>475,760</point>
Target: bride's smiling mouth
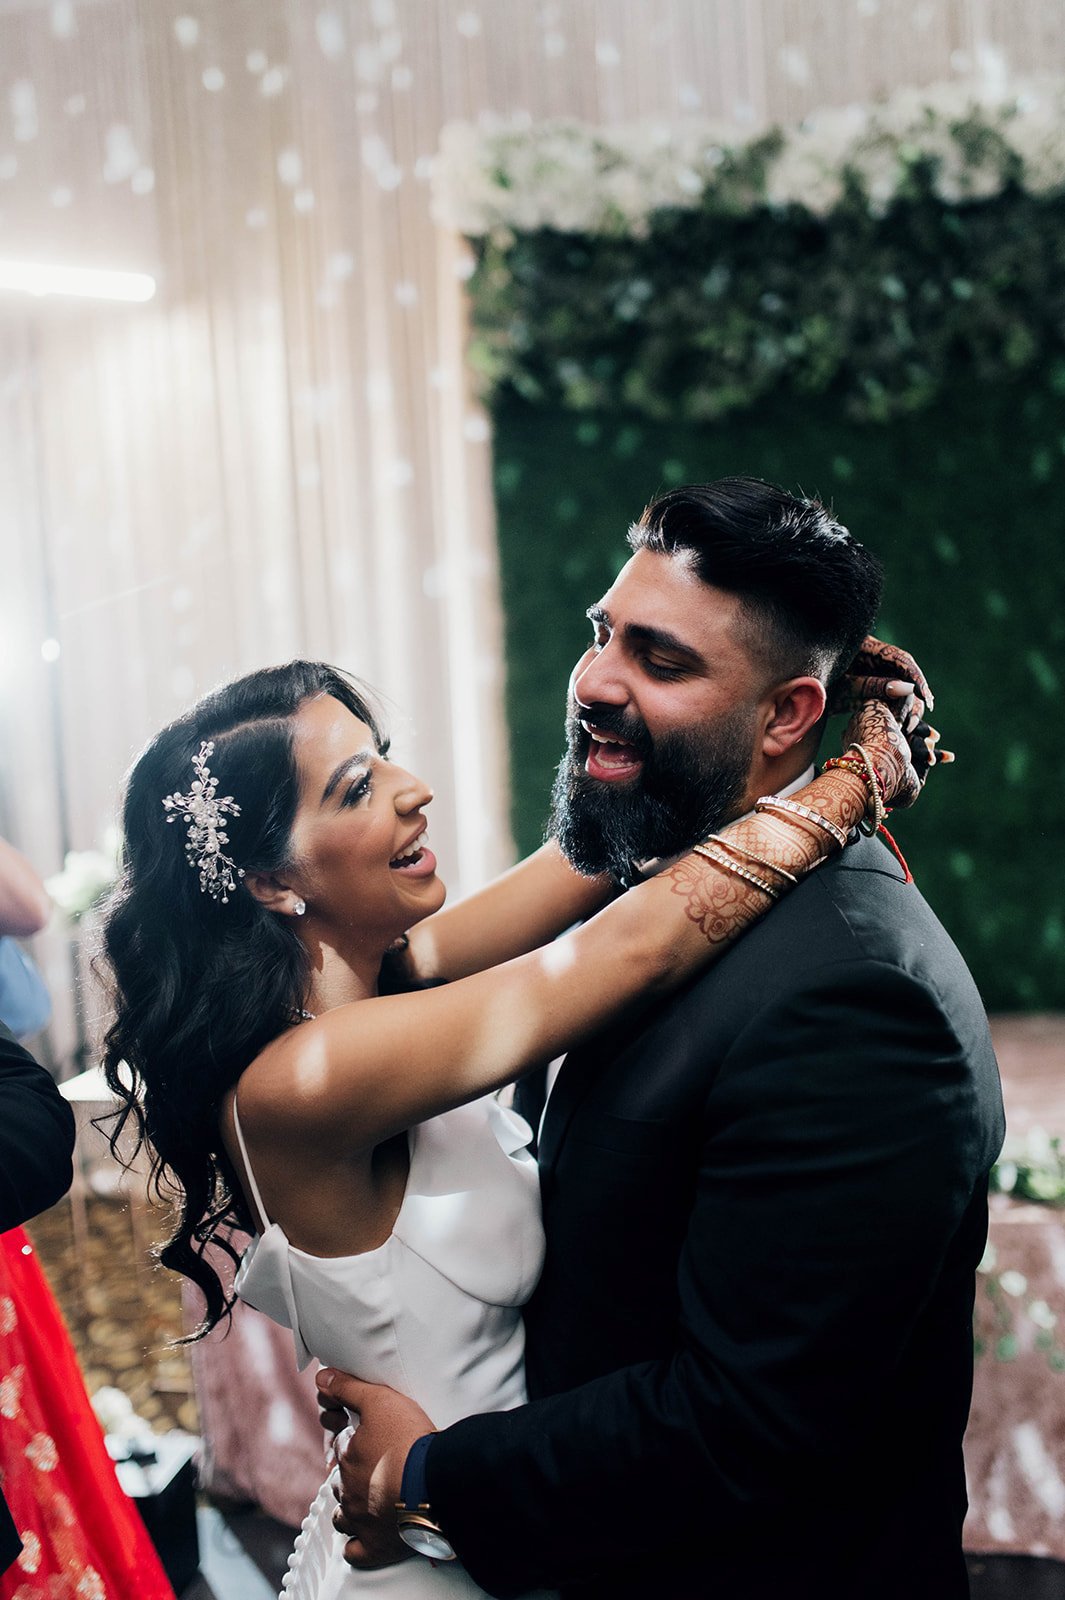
<point>415,860</point>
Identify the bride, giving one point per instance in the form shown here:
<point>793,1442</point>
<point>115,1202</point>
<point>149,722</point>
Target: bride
<point>310,1045</point>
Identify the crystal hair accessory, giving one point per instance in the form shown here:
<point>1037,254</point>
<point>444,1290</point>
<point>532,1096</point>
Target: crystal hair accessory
<point>205,814</point>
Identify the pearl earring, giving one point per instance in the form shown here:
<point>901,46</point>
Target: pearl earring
<point>300,907</point>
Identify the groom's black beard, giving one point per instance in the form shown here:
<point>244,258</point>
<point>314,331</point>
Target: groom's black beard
<point>691,782</point>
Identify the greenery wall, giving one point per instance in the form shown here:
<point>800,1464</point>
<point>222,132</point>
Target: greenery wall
<point>965,502</point>
<point>869,308</point>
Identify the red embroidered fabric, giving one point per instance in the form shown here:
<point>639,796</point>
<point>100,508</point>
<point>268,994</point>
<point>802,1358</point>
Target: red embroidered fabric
<point>82,1537</point>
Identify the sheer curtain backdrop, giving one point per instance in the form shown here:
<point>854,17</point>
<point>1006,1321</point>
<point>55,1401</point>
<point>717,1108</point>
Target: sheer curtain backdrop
<point>279,454</point>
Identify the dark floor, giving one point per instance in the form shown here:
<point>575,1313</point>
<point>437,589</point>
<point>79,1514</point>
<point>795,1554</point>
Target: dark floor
<point>1009,1578</point>
<point>243,1556</point>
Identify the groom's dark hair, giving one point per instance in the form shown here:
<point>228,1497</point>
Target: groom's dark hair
<point>810,591</point>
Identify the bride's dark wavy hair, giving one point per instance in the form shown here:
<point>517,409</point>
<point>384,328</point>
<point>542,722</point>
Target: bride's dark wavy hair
<point>199,987</point>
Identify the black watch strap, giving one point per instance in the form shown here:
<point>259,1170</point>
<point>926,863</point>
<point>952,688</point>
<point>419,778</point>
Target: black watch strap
<point>414,1491</point>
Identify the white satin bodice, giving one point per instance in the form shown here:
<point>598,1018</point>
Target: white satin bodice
<point>435,1311</point>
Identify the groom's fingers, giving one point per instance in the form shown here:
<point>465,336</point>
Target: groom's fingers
<point>366,1546</point>
<point>357,1555</point>
<point>340,1389</point>
<point>332,1415</point>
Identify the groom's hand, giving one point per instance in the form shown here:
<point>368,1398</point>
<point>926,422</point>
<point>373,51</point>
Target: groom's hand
<point>371,1465</point>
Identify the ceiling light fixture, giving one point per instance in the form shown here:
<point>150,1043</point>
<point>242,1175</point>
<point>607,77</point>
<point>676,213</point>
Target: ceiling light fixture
<point>88,283</point>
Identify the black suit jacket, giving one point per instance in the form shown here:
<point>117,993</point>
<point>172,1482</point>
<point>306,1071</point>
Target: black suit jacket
<point>750,1354</point>
<point>36,1143</point>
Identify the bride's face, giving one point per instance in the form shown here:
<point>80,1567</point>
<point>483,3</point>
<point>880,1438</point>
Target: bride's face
<point>358,840</point>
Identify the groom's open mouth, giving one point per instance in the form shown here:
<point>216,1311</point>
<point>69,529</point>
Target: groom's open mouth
<point>609,758</point>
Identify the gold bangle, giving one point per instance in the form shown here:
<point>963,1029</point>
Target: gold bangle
<point>871,825</point>
<point>776,802</point>
<point>760,861</point>
<point>722,860</point>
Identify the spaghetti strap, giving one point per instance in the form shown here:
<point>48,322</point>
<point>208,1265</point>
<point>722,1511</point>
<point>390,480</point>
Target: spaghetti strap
<point>248,1173</point>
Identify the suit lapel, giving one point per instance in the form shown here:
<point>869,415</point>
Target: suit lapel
<point>577,1075</point>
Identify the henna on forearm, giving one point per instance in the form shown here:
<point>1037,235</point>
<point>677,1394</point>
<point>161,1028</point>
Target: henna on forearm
<point>723,904</point>
<point>720,904</point>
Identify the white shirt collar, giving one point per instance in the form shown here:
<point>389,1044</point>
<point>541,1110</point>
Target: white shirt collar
<point>789,788</point>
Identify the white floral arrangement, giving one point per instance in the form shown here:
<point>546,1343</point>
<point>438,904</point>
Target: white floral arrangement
<point>86,877</point>
<point>520,175</point>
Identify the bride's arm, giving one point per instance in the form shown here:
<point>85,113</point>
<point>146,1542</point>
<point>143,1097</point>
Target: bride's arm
<point>365,1071</point>
<point>532,903</point>
<point>519,911</point>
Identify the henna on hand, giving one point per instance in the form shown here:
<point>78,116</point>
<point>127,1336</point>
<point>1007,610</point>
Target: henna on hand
<point>874,727</point>
<point>876,659</point>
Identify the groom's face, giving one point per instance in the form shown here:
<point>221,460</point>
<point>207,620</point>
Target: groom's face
<point>663,719</point>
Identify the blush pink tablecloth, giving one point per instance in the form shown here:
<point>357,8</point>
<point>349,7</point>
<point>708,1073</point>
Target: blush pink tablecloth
<point>1015,1444</point>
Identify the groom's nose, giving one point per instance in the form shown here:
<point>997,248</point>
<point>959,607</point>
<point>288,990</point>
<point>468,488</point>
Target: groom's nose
<point>597,679</point>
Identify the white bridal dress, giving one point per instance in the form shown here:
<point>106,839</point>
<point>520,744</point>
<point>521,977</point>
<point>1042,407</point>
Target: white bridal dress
<point>434,1312</point>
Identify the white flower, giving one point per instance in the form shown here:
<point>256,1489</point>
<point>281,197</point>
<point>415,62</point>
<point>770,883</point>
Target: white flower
<point>803,175</point>
<point>86,876</point>
<point>1013,1283</point>
<point>113,1408</point>
<point>513,173</point>
<point>1039,1147</point>
<point>988,1259</point>
<point>1042,1315</point>
<point>1035,136</point>
<point>1006,1175</point>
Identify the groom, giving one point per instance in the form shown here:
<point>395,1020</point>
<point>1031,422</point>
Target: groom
<point>750,1355</point>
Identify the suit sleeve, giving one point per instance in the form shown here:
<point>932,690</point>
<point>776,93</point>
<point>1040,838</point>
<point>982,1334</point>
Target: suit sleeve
<point>837,1162</point>
<point>36,1136</point>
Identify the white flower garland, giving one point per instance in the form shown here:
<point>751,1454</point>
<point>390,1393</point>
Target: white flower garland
<point>519,175</point>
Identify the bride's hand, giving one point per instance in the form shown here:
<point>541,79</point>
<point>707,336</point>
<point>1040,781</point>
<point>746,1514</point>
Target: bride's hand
<point>887,693</point>
<point>885,671</point>
<point>902,761</point>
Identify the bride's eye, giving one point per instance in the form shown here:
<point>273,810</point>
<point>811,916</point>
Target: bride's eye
<point>358,790</point>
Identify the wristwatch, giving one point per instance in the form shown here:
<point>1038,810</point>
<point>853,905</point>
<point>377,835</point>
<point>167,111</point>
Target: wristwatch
<point>414,1516</point>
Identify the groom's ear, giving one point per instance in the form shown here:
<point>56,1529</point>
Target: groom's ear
<point>795,709</point>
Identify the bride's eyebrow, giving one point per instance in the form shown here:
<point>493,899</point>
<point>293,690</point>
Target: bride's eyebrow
<point>360,758</point>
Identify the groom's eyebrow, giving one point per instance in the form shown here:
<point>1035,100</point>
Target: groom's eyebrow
<point>643,633</point>
<point>360,758</point>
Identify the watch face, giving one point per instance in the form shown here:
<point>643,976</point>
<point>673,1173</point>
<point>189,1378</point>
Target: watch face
<point>427,1543</point>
